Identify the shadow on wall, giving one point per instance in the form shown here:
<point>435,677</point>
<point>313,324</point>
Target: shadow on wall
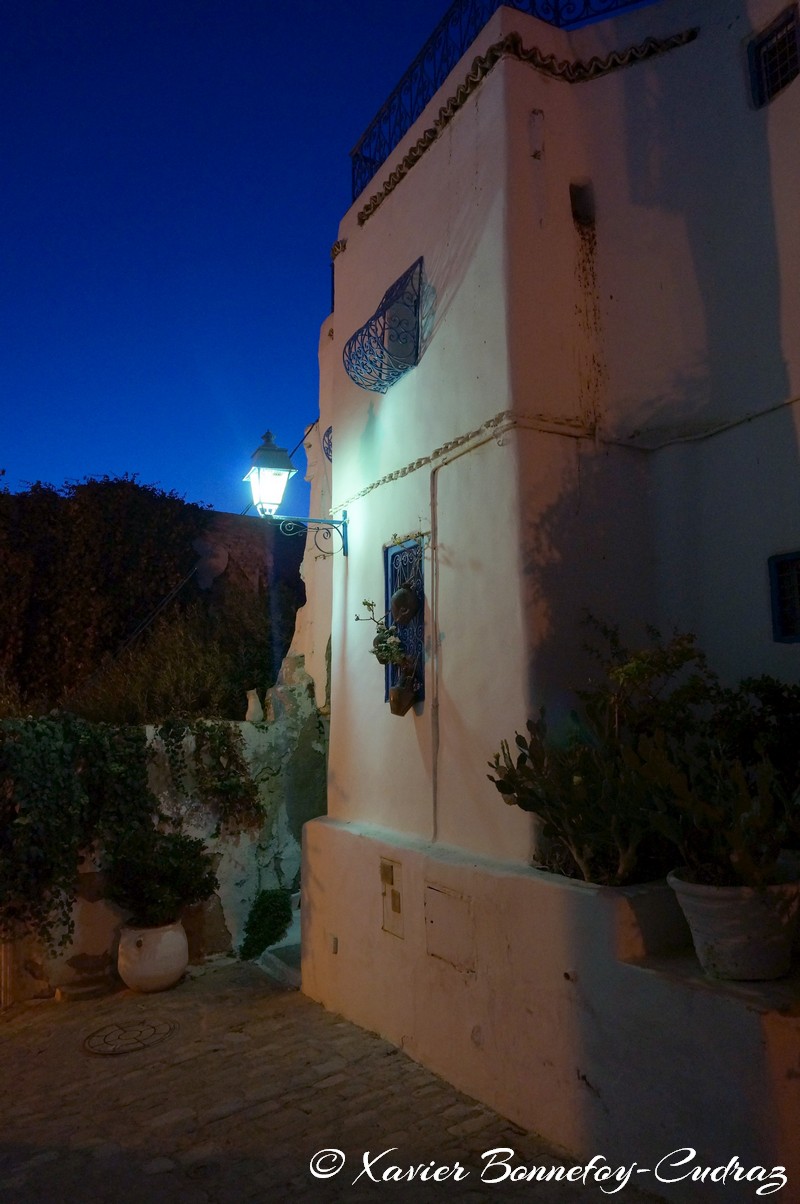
<point>713,169</point>
<point>590,549</point>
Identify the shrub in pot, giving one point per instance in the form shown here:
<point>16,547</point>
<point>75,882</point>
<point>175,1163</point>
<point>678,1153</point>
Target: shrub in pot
<point>595,812</point>
<point>666,766</point>
<point>595,805</point>
<point>154,875</point>
<point>730,817</point>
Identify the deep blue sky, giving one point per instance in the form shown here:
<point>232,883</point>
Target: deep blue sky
<point>173,175</point>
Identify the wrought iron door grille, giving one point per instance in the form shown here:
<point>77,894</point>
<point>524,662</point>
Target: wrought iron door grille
<point>388,344</point>
<point>773,57</point>
<point>403,565</point>
<point>784,575</point>
<point>452,37</point>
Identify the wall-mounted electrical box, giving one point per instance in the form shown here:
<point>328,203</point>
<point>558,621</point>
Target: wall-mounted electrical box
<point>392,888</point>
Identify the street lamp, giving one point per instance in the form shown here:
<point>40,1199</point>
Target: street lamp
<point>269,475</point>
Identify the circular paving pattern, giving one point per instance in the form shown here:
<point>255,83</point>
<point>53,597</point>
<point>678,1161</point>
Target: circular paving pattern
<point>120,1039</point>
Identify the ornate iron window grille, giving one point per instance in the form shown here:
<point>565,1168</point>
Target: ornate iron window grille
<point>774,57</point>
<point>451,38</point>
<point>403,565</point>
<point>388,344</point>
<point>784,579</point>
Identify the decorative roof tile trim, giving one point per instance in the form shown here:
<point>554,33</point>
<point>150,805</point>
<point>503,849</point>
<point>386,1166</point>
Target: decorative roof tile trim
<point>490,426</point>
<point>493,428</point>
<point>572,428</point>
<point>576,72</point>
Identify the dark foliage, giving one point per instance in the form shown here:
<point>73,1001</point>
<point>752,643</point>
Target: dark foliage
<point>154,875</point>
<point>82,568</point>
<point>66,786</point>
<point>663,766</point>
<point>269,918</point>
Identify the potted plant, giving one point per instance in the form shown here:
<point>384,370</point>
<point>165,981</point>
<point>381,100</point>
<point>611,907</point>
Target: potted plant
<point>388,649</point>
<point>728,810</point>
<point>153,875</point>
<point>595,812</point>
<point>665,765</point>
<point>595,806</point>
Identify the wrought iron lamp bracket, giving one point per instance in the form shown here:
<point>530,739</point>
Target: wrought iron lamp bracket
<point>322,528</point>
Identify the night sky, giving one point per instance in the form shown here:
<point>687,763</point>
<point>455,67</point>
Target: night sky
<point>174,172</point>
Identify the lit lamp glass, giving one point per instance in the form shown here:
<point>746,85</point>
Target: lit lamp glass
<point>269,475</point>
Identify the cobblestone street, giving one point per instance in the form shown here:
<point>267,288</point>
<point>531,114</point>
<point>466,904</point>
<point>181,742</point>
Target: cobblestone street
<point>223,1090</point>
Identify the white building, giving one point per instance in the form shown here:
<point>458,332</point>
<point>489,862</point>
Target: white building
<point>596,241</point>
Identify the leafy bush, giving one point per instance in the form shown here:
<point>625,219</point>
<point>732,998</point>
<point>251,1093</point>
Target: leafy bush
<point>596,807</point>
<point>64,785</point>
<point>154,875</point>
<point>760,718</point>
<point>85,568</point>
<point>267,923</point>
<point>82,566</point>
<point>172,670</point>
<point>596,811</point>
<point>663,764</point>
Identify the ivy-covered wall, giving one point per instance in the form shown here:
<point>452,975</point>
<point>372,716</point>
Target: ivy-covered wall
<point>250,821</point>
<point>286,755</point>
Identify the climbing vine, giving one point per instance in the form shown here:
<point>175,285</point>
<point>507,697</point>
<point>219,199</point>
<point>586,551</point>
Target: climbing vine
<point>68,785</point>
<point>223,777</point>
<point>172,733</point>
<point>65,785</point>
<point>218,767</point>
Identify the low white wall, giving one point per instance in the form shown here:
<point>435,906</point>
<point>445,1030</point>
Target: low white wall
<point>545,999</point>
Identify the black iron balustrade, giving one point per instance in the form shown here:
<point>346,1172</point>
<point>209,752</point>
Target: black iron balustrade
<point>454,34</point>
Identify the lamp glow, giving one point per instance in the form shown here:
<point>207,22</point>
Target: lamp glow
<point>269,475</point>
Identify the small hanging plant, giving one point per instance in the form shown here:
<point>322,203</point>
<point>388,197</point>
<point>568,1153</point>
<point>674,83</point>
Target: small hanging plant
<point>388,649</point>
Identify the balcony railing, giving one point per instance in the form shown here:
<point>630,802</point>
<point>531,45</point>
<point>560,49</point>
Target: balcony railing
<point>454,34</point>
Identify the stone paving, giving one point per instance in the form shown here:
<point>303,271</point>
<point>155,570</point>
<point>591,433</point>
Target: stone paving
<point>223,1090</point>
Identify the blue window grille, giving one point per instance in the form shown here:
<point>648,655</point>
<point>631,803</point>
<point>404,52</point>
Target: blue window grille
<point>773,57</point>
<point>784,580</point>
<point>404,566</point>
<point>388,344</point>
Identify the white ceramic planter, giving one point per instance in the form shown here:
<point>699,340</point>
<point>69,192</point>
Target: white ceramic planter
<point>740,932</point>
<point>152,959</point>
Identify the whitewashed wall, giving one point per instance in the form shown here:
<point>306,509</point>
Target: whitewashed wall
<point>560,1004</point>
<point>678,323</point>
<point>390,770</point>
<point>568,442</point>
<point>312,629</point>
